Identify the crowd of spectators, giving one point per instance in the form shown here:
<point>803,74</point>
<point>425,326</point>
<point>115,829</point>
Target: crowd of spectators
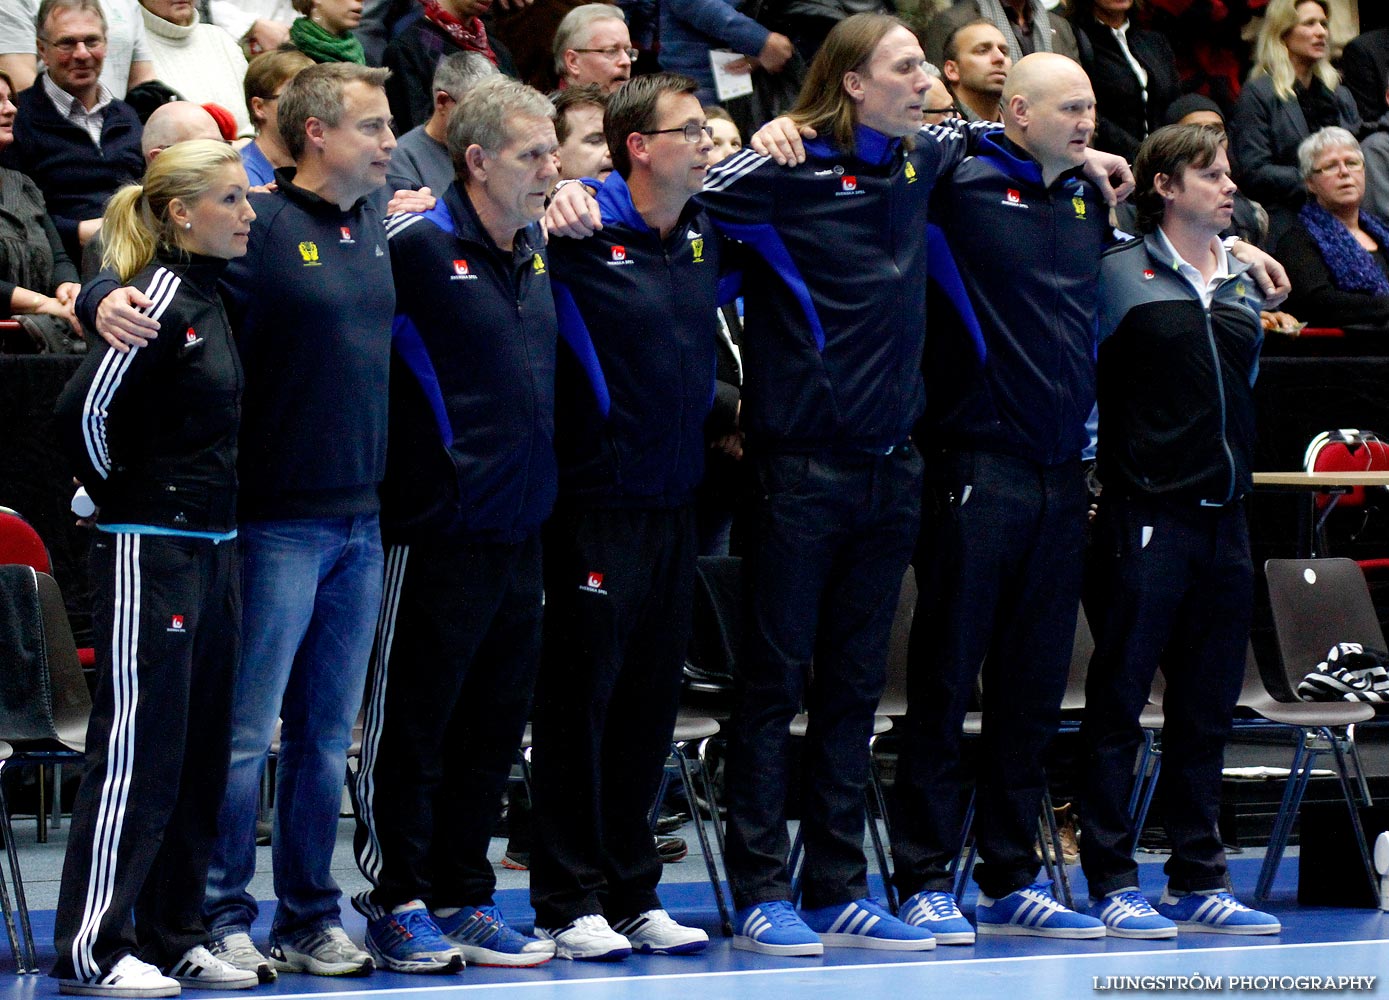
<point>379,137</point>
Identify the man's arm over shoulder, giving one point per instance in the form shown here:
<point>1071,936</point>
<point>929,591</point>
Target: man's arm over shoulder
<point>741,191</point>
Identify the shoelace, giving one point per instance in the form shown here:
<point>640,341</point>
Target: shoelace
<point>1227,900</point>
<point>1040,892</point>
<point>780,914</point>
<point>877,907</point>
<point>1134,902</point>
<point>941,905</point>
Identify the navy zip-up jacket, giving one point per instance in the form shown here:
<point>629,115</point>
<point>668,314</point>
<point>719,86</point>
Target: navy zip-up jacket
<point>1010,358</point>
<point>311,305</point>
<point>471,453</point>
<point>1176,381</point>
<point>638,355</point>
<point>833,331</point>
<point>152,432</point>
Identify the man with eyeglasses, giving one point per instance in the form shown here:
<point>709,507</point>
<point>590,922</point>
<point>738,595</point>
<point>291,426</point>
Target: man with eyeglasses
<point>634,383</point>
<point>72,136</point>
<point>592,45</point>
<point>128,62</point>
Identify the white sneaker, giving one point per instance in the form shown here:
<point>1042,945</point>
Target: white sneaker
<point>587,939</point>
<point>199,969</point>
<point>239,950</point>
<point>655,932</point>
<point>328,952</point>
<point>129,977</point>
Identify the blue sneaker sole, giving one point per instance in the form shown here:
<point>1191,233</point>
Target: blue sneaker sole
<point>877,944</point>
<point>807,949</point>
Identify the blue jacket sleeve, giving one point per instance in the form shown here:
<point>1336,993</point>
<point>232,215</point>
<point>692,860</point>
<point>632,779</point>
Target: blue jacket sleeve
<point>720,21</point>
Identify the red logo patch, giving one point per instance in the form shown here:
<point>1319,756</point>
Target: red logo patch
<point>619,253</point>
<point>595,580</point>
<point>1149,275</point>
<point>190,336</point>
<point>1014,196</point>
<point>176,622</point>
<point>848,183</point>
<point>346,233</point>
<point>460,267</point>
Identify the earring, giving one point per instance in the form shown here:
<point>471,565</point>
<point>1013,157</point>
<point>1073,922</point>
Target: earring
<point>188,225</point>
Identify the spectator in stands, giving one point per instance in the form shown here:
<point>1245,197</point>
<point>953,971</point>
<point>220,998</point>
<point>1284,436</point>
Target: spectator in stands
<point>259,25</point>
<point>583,148</point>
<point>976,65</point>
<point>470,479</point>
<point>592,46</point>
<point>316,284</point>
<point>1176,450</point>
<point>200,61</point>
<point>324,31</point>
<point>1376,149</point>
<point>690,28</point>
<point>442,28</point>
<point>1133,70</point>
<point>152,434</point>
<point>1337,255</point>
<point>1250,221</point>
<point>421,158</point>
<point>727,139</point>
<point>77,141</point>
<point>267,76</point>
<point>1027,24</point>
<point>127,60</point>
<point>634,378</point>
<point>1292,92</point>
<point>1365,69</point>
<point>36,275</point>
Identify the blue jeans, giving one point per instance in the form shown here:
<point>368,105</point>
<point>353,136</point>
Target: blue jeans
<point>311,591</point>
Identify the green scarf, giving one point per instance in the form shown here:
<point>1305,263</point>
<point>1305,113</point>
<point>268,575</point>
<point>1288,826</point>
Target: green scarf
<point>323,47</point>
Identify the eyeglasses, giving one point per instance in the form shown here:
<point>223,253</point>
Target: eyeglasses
<point>1351,163</point>
<point>612,52</point>
<point>67,46</point>
<point>691,131</point>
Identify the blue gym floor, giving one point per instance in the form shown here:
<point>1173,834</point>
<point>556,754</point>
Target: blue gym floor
<point>1316,941</point>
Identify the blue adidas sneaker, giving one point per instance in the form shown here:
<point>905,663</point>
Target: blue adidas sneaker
<point>408,940</point>
<point>1034,912</point>
<point>1216,912</point>
<point>866,923</point>
<point>774,928</point>
<point>484,938</point>
<point>939,913</point>
<point>1128,914</point>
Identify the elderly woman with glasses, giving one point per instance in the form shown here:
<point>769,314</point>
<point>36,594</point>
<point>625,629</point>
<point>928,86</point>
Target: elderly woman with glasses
<point>1335,254</point>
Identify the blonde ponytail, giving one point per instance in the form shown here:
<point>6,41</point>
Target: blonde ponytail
<point>128,241</point>
<point>137,221</point>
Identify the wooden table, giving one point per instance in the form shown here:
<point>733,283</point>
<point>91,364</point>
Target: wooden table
<point>1330,484</point>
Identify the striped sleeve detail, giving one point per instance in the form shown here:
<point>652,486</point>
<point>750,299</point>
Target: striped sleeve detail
<point>396,224</point>
<point>738,165</point>
<point>162,289</point>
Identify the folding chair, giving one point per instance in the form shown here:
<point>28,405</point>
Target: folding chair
<point>1316,603</point>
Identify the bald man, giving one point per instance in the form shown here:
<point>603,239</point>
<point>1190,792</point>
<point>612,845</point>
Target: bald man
<point>1010,379</point>
<point>177,121</point>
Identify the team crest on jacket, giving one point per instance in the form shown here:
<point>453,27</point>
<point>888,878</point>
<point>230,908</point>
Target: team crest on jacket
<point>308,250</point>
<point>848,185</point>
<point>617,257</point>
<point>910,171</point>
<point>461,272</point>
<point>697,247</point>
<point>346,235</point>
<point>537,263</point>
<point>1013,198</point>
<point>1078,203</point>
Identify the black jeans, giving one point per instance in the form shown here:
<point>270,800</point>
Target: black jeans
<point>619,593</point>
<point>832,535</point>
<point>457,652</point>
<point>1177,585</point>
<point>1000,572</point>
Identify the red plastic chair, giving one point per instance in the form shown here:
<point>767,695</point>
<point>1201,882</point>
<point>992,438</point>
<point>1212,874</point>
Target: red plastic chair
<point>20,543</point>
<point>1349,450</point>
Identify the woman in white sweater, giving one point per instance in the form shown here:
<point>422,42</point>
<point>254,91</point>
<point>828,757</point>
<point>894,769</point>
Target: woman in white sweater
<point>202,62</point>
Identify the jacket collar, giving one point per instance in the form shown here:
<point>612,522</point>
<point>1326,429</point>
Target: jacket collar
<point>310,202</point>
<point>454,213</point>
<point>1018,163</point>
<point>870,146</point>
<point>1158,250</point>
<point>615,203</point>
